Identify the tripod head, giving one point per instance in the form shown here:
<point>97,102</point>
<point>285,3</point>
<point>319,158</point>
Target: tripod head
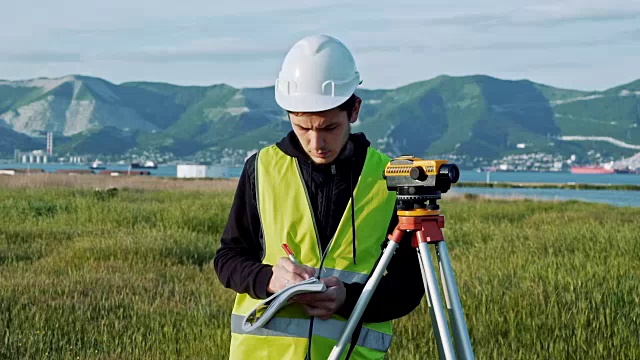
<point>417,181</point>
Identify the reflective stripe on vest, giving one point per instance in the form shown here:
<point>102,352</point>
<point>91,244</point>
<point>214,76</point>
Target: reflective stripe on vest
<point>296,327</point>
<point>344,275</point>
<point>286,216</point>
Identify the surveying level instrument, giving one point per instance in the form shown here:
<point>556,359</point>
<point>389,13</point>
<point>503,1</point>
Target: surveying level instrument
<point>419,184</point>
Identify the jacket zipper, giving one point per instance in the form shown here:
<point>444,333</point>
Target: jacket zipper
<point>313,218</point>
<point>330,215</point>
<point>326,251</point>
<point>323,255</point>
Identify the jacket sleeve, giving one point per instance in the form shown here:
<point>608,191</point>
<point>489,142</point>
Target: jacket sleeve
<point>399,291</point>
<point>238,260</point>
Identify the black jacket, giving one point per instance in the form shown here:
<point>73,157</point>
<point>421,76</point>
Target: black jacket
<point>238,260</point>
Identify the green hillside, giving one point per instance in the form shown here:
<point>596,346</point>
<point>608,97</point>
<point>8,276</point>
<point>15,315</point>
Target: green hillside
<point>159,103</point>
<point>557,94</point>
<point>478,116</point>
<point>11,96</point>
<point>10,140</point>
<point>109,140</point>
<point>609,115</point>
<point>631,86</point>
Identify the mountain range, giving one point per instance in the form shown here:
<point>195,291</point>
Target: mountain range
<point>474,116</point>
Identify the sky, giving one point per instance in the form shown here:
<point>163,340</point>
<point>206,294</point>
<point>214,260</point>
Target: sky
<point>583,45</point>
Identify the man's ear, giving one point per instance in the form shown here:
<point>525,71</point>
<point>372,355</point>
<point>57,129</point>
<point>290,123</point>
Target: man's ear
<point>356,110</point>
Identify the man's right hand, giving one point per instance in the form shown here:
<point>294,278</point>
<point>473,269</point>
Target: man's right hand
<point>287,273</point>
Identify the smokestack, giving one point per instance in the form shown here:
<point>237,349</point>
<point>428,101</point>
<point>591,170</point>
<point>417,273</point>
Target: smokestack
<point>49,143</point>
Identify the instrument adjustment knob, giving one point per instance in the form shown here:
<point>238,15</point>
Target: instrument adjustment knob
<point>417,173</point>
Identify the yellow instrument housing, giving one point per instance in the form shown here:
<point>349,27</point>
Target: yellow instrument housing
<point>430,167</point>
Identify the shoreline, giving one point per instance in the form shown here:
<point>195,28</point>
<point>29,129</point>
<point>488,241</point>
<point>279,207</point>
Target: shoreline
<point>92,181</point>
<point>540,185</point>
<point>47,179</point>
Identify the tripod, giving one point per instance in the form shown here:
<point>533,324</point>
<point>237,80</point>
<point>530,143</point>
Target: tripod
<point>426,223</point>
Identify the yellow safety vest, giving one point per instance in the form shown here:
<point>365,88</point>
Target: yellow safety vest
<point>286,216</point>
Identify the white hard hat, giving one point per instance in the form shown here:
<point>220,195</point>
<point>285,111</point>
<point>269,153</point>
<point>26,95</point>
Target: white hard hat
<point>318,73</point>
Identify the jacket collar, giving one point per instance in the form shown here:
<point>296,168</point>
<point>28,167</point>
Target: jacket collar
<point>355,149</point>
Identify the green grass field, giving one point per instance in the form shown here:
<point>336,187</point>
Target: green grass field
<point>84,275</point>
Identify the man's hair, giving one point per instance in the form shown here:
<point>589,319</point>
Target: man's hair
<point>345,106</point>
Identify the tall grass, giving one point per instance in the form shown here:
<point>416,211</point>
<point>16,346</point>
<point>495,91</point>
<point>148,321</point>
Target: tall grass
<point>128,275</point>
<point>540,281</point>
<point>90,181</point>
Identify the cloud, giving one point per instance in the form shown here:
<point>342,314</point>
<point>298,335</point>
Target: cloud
<point>579,11</point>
<point>507,15</point>
<point>496,46</point>
<point>212,49</point>
<point>537,45</point>
<point>223,49</point>
<point>169,56</point>
<point>99,32</point>
<point>569,12</point>
<point>41,57</point>
<point>633,34</point>
<point>552,65</point>
<point>221,18</point>
<point>243,41</point>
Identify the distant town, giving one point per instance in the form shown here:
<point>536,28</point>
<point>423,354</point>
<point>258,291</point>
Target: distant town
<point>228,157</point>
<point>535,162</point>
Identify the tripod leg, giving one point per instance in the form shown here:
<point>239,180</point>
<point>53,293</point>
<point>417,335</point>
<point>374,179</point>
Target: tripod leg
<point>432,314</point>
<point>363,301</point>
<point>459,325</point>
<point>434,295</point>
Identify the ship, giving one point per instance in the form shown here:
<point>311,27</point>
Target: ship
<point>97,165</point>
<point>147,165</point>
<point>591,169</point>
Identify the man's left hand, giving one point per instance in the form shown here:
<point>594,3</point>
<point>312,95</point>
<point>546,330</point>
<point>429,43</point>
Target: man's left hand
<point>325,304</point>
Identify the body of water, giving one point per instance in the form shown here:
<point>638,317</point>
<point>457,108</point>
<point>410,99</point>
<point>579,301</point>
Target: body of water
<point>614,197</point>
<point>549,177</point>
<point>162,170</point>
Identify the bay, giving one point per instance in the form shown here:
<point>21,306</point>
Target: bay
<point>621,198</point>
<point>613,197</point>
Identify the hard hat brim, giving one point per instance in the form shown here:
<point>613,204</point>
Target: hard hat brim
<point>306,103</point>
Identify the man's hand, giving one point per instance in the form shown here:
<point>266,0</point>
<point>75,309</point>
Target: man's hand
<point>325,304</point>
<point>286,273</point>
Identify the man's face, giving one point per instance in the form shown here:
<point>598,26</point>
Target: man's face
<point>323,134</point>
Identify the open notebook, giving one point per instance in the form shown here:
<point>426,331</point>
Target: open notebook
<point>277,301</point>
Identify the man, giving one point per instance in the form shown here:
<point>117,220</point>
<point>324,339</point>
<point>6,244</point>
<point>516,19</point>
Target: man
<point>320,190</point>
